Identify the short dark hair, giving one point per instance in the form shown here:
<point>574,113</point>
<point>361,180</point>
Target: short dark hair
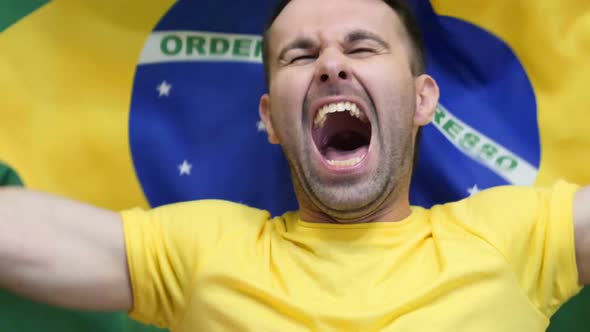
<point>401,7</point>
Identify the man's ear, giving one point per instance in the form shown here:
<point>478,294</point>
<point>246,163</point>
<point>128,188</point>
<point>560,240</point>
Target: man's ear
<point>427,94</point>
<point>264,112</point>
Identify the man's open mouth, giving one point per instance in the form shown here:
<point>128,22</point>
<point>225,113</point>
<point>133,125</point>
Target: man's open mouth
<point>342,134</point>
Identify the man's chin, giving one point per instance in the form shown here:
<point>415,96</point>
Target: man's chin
<point>345,202</point>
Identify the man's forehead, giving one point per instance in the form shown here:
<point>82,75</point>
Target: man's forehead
<point>332,19</point>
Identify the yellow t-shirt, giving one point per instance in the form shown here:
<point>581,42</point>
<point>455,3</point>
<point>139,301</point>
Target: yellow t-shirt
<point>502,260</point>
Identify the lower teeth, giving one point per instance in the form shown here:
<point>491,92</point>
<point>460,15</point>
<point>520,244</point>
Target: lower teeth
<point>349,162</point>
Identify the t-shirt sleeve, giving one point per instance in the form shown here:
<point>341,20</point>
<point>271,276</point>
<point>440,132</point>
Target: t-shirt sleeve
<point>168,246</point>
<point>533,228</point>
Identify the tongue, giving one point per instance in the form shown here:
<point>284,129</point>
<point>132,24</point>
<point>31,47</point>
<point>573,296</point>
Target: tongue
<point>331,153</point>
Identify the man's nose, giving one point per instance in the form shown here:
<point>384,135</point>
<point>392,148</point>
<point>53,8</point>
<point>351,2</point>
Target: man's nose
<point>332,67</point>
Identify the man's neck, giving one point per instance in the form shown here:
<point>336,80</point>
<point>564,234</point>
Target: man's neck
<point>390,211</point>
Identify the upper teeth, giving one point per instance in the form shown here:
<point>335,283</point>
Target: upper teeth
<point>352,108</point>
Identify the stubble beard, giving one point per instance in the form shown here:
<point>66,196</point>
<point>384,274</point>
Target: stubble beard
<point>350,200</point>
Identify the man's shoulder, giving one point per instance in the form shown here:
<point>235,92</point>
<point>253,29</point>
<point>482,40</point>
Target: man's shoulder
<point>212,209</point>
<point>206,204</point>
<point>508,205</point>
<point>207,212</point>
<point>520,196</point>
<point>507,195</point>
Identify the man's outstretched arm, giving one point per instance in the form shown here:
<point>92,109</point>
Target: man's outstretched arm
<point>62,252</point>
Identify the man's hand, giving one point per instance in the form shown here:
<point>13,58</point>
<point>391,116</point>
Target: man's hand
<point>582,234</point>
<point>62,252</point>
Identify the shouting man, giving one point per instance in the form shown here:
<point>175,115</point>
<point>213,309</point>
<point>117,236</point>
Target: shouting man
<point>347,97</point>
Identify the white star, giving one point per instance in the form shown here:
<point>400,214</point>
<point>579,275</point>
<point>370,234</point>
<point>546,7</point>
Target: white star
<point>260,126</point>
<point>185,168</point>
<point>164,89</point>
<point>473,190</point>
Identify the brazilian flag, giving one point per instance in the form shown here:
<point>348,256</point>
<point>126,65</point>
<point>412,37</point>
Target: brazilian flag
<point>142,103</point>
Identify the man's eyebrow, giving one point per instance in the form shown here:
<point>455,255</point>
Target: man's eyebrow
<point>360,34</point>
<point>301,43</point>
